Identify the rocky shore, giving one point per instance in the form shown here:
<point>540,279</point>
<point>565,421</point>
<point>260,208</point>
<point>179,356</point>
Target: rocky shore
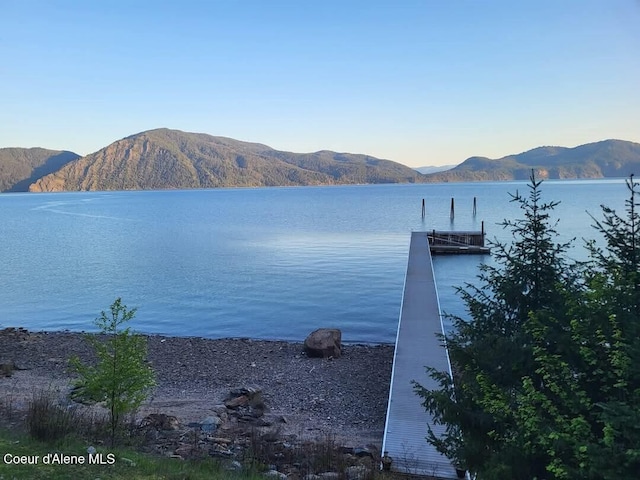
<point>311,397</point>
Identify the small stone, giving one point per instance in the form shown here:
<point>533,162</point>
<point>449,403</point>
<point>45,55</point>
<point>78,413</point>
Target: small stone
<point>221,440</point>
<point>329,475</point>
<point>356,472</point>
<point>184,451</point>
<point>160,421</point>
<point>127,461</point>
<point>234,466</point>
<point>362,452</point>
<point>219,410</point>
<point>210,424</point>
<point>221,452</point>
<point>275,474</point>
<point>237,402</point>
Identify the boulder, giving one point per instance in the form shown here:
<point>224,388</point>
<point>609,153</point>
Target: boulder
<point>324,343</point>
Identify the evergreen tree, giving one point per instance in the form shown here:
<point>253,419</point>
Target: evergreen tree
<point>518,313</point>
<point>547,370</point>
<point>611,342</point>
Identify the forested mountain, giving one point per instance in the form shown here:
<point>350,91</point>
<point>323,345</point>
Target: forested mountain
<point>19,167</point>
<point>608,158</point>
<point>163,158</point>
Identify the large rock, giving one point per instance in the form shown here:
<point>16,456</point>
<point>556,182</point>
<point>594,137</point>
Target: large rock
<point>324,342</point>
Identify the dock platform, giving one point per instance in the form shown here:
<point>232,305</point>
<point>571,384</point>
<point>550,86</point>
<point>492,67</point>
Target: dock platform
<point>417,345</point>
<point>445,242</point>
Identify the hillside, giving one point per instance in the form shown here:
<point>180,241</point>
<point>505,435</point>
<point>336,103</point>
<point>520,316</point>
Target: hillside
<point>19,167</point>
<point>608,158</point>
<point>163,158</point>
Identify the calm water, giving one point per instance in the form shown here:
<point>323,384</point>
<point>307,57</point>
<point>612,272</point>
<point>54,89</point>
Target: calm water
<point>270,263</point>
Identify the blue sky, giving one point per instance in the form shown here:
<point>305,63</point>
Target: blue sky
<point>417,82</point>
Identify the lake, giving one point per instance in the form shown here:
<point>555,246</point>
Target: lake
<point>268,263</point>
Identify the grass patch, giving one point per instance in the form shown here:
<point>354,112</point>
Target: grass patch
<point>48,420</point>
<point>126,464</point>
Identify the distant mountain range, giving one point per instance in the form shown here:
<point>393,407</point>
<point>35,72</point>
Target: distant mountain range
<point>171,159</point>
<point>609,158</point>
<point>161,159</point>
<point>434,168</point>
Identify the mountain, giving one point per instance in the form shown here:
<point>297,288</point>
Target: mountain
<point>608,158</point>
<point>19,167</point>
<point>163,158</point>
<point>434,168</point>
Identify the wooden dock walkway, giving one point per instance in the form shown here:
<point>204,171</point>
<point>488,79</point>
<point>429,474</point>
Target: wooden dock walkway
<point>417,345</point>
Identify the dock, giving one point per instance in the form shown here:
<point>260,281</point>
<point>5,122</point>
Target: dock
<point>417,345</point>
<point>445,242</point>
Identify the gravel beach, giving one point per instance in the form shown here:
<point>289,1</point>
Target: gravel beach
<point>344,397</point>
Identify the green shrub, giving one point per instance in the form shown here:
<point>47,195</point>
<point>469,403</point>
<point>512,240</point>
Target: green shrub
<point>121,378</point>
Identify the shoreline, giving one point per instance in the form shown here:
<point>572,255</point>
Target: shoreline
<point>66,331</point>
<point>344,397</point>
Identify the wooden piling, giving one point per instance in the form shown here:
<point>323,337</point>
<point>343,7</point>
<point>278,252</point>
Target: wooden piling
<point>474,206</point>
<point>452,214</point>
<point>423,209</point>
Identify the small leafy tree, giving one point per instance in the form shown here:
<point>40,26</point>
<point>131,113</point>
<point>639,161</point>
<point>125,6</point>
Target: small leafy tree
<point>121,377</point>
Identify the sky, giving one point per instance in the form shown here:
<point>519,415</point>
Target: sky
<point>420,82</point>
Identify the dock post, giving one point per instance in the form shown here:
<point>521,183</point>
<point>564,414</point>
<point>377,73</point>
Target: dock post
<point>423,210</point>
<point>482,230</point>
<point>474,206</point>
<point>452,214</point>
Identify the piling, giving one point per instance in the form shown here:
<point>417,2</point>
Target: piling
<point>474,206</point>
<point>452,214</point>
<point>423,209</point>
